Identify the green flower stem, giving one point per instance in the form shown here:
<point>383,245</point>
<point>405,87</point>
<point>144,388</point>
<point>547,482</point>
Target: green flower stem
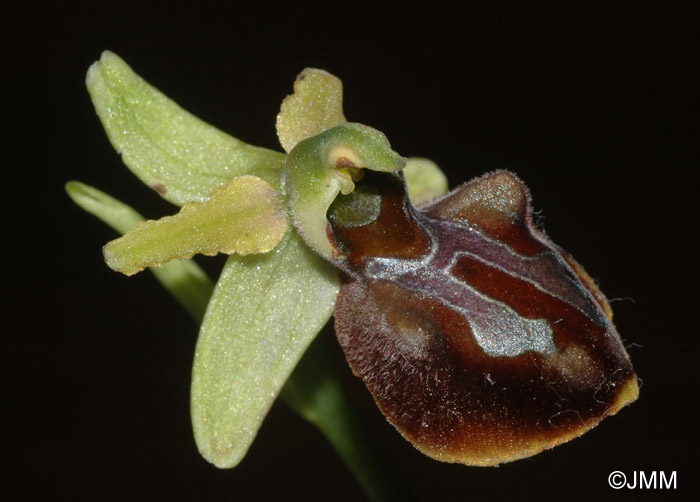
<point>313,390</point>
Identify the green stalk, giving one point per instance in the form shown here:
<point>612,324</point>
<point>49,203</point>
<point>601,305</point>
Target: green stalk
<point>313,390</point>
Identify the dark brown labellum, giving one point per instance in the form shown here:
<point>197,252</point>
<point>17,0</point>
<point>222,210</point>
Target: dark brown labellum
<point>481,341</point>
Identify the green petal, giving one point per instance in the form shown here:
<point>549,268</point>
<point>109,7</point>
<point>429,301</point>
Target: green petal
<point>245,217</point>
<point>169,149</point>
<point>265,311</point>
<point>316,105</point>
<point>425,180</point>
<point>188,283</point>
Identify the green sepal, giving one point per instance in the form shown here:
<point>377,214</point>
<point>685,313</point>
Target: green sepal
<point>180,156</point>
<point>425,180</point>
<point>263,314</point>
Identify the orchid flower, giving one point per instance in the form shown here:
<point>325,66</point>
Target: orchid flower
<point>480,340</point>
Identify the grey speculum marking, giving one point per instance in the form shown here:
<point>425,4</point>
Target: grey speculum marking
<point>497,328</point>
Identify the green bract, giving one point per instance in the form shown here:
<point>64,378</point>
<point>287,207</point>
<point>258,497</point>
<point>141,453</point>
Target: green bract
<point>240,200</point>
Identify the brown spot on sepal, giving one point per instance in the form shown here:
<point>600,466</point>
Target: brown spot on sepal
<point>160,188</point>
<point>420,360</point>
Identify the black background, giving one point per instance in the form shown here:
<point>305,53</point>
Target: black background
<point>97,365</point>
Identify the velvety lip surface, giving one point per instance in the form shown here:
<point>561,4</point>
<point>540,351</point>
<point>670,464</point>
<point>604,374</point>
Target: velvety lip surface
<point>481,341</point>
